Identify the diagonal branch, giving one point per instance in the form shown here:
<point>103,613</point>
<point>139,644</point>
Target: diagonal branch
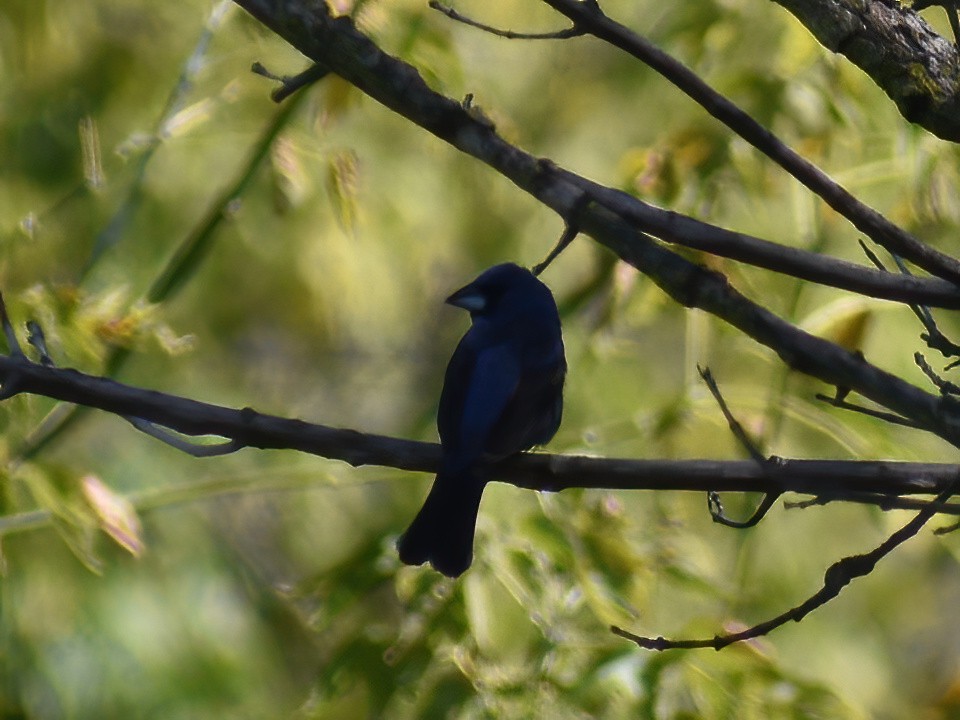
<point>680,229</point>
<point>589,17</point>
<point>686,231</point>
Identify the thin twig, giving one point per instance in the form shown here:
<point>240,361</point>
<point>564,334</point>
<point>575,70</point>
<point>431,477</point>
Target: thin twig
<point>198,450</point>
<point>714,503</point>
<point>838,576</point>
<point>920,310</point>
<point>37,340</point>
<point>871,255</point>
<point>509,34</point>
<point>934,338</point>
<point>839,402</point>
<point>571,229</point>
<point>884,502</point>
<point>944,386</point>
<point>289,84</point>
<point>735,427</point>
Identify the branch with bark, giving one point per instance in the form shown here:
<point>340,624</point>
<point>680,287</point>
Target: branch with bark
<point>247,428</point>
<point>917,68</point>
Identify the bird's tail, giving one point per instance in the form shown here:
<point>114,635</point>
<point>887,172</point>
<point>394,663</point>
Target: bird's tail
<point>442,532</point>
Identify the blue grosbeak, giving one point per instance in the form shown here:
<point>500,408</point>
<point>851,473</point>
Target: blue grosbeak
<point>502,393</point>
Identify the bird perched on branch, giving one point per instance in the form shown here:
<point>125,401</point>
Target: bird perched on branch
<point>502,393</point>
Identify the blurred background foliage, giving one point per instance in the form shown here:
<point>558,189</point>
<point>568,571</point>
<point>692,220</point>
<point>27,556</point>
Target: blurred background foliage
<point>168,224</point>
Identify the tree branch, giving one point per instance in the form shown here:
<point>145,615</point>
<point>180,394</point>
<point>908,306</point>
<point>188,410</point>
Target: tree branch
<point>689,232</point>
<point>589,17</point>
<point>836,578</point>
<point>679,229</point>
<point>535,471</point>
<point>917,68</point>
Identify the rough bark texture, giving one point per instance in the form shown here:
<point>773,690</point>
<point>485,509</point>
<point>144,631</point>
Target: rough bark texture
<point>917,68</point>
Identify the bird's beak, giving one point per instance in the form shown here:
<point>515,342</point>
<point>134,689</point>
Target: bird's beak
<point>468,298</point>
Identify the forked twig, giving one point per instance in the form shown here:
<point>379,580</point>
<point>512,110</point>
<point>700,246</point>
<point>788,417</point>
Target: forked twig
<point>837,577</point>
<point>714,503</point>
<point>933,337</point>
<point>838,402</point>
<point>289,84</point>
<point>509,34</point>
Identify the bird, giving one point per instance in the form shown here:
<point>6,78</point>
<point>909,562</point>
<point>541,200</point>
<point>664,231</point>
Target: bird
<point>502,394</point>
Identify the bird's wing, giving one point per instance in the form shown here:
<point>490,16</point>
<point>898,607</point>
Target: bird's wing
<point>534,412</point>
<point>489,384</point>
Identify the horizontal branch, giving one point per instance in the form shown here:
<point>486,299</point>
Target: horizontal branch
<point>535,471</point>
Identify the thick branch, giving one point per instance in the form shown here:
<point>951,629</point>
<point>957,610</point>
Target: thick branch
<point>249,428</point>
<point>918,69</point>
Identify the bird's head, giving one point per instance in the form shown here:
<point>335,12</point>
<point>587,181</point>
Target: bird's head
<point>499,286</point>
